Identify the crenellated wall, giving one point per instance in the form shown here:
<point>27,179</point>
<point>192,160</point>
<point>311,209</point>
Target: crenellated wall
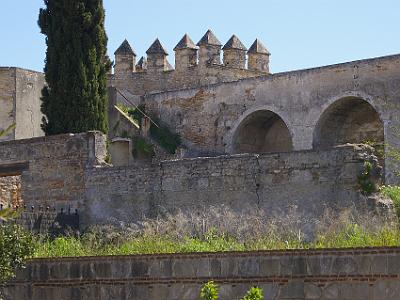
<point>195,65</point>
<point>334,274</point>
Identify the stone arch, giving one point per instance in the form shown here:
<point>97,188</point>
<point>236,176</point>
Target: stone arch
<point>262,131</point>
<point>348,120</point>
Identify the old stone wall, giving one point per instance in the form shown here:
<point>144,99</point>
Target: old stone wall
<point>10,191</point>
<point>20,92</point>
<point>310,181</point>
<point>7,100</point>
<point>300,106</point>
<point>140,83</point>
<point>53,168</point>
<point>29,85</point>
<point>346,274</point>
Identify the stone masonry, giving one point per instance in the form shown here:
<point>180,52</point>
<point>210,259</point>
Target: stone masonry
<point>346,274</point>
<point>20,92</point>
<point>69,172</point>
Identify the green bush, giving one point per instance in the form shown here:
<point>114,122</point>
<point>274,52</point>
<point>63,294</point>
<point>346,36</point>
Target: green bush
<point>15,246</point>
<point>209,291</point>
<point>164,136</point>
<point>364,179</point>
<point>142,148</point>
<point>255,293</point>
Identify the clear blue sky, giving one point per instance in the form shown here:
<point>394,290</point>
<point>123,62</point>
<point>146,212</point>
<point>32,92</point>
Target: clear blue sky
<point>298,33</point>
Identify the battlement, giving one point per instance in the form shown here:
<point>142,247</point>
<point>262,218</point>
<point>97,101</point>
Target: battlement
<point>195,64</point>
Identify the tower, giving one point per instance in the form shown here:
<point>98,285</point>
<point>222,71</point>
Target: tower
<point>185,53</point>
<point>235,53</point>
<point>210,49</point>
<point>157,58</point>
<point>258,57</point>
<point>125,59</point>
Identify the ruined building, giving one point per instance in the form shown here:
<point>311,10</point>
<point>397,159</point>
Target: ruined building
<point>242,136</point>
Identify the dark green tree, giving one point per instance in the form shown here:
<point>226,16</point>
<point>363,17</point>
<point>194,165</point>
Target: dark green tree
<point>75,98</point>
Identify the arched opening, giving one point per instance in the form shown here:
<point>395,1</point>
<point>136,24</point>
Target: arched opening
<point>262,132</point>
<point>349,120</point>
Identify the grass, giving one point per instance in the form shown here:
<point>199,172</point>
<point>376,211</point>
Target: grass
<point>352,235</point>
<point>393,192</point>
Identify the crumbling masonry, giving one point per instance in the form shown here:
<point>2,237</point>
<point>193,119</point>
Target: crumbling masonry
<point>249,138</point>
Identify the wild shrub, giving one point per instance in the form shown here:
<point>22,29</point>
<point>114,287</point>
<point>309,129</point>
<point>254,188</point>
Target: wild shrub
<point>209,291</point>
<point>255,293</point>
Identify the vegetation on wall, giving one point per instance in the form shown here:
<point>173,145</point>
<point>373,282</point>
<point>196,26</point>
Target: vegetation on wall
<point>141,148</point>
<point>364,179</point>
<point>167,139</point>
<point>159,131</point>
<point>74,99</point>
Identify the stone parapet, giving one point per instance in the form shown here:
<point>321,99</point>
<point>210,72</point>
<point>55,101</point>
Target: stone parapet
<point>335,274</point>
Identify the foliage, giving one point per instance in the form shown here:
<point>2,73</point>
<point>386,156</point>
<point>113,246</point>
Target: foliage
<point>364,179</point>
<point>393,192</point>
<point>75,98</point>
<point>167,139</point>
<point>8,214</point>
<point>142,148</point>
<point>351,235</point>
<point>15,246</point>
<point>209,291</point>
<point>159,131</point>
<point>255,293</point>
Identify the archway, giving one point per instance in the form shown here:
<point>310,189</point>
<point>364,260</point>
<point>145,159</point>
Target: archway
<point>348,120</point>
<point>262,131</point>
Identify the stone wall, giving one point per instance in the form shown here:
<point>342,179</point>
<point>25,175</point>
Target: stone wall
<point>69,172</point>
<point>29,85</point>
<point>346,274</point>
<point>141,83</point>
<point>311,181</point>
<point>10,191</point>
<point>53,168</point>
<point>210,118</point>
<point>20,92</point>
<point>7,100</point>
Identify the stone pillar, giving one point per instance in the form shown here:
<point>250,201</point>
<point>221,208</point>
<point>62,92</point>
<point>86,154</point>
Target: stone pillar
<point>157,58</point>
<point>258,57</point>
<point>210,50</point>
<point>185,53</point>
<point>235,53</point>
<point>125,59</point>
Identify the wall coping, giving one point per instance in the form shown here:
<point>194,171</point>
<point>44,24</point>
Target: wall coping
<point>195,255</point>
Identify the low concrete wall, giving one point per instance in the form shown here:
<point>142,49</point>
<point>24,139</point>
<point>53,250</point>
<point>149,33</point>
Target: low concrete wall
<point>352,274</point>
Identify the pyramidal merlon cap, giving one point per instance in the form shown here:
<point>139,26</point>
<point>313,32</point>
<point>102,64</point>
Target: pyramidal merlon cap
<point>258,47</point>
<point>185,43</point>
<point>156,48</point>
<point>234,43</point>
<point>125,49</point>
<point>142,63</point>
<point>209,39</point>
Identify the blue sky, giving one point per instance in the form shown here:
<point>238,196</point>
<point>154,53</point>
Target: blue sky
<point>299,33</point>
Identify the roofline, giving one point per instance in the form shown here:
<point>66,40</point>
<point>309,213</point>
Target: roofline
<point>21,69</point>
<point>285,73</point>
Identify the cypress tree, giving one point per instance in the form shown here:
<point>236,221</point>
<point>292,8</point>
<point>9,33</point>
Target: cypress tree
<point>76,65</point>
